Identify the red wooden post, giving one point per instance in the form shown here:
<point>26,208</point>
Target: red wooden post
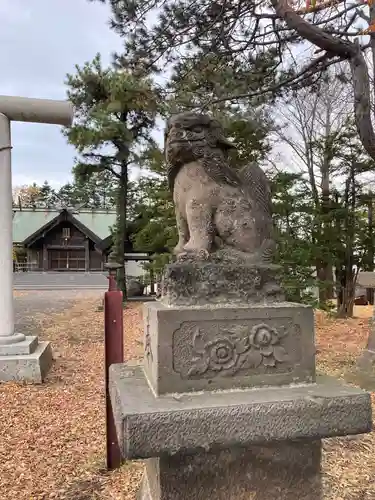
<point>113,353</point>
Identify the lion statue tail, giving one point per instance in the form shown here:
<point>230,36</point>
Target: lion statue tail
<point>267,250</point>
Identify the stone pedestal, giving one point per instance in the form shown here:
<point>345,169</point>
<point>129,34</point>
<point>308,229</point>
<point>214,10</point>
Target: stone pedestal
<point>26,361</point>
<point>288,471</point>
<point>218,283</point>
<point>210,348</point>
<point>366,361</point>
<point>227,404</point>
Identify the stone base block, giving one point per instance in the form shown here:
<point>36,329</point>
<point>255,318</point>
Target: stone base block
<point>285,471</point>
<point>149,426</point>
<point>26,346</point>
<point>220,348</point>
<point>31,367</point>
<point>366,361</point>
<point>216,282</point>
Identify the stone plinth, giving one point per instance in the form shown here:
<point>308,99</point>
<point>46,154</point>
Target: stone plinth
<point>288,471</point>
<point>367,359</point>
<point>210,348</point>
<point>28,361</point>
<point>232,445</point>
<point>210,282</point>
<point>26,346</point>
<point>151,427</point>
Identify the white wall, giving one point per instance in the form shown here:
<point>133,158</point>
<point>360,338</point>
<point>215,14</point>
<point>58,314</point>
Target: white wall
<point>134,268</point>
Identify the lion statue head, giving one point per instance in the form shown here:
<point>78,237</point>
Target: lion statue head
<point>192,136</point>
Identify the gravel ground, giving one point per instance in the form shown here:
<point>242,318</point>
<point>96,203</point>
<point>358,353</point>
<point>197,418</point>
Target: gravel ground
<point>31,305</point>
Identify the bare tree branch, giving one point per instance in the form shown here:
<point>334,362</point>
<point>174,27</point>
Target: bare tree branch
<point>345,50</point>
<point>312,33</point>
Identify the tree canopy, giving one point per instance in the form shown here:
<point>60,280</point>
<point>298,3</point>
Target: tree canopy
<point>303,39</point>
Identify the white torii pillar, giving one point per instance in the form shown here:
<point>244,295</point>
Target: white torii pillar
<point>25,110</point>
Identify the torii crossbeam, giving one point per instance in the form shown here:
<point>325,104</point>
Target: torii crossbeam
<point>21,358</point>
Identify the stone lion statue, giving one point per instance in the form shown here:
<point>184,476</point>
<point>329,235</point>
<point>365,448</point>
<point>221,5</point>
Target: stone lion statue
<point>217,207</point>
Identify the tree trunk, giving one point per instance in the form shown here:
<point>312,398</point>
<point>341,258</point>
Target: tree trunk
<point>369,262</point>
<point>121,223</point>
<point>347,294</point>
<point>326,212</point>
<point>345,309</point>
<point>325,277</point>
<point>340,285</point>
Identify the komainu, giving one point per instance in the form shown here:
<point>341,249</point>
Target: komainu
<point>217,207</point>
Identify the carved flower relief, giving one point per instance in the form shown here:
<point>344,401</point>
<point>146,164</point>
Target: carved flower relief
<point>265,341</point>
<point>220,354</point>
<point>230,353</point>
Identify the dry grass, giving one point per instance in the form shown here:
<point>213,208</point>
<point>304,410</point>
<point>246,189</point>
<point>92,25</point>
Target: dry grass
<point>348,464</point>
<point>363,311</point>
<point>52,436</point>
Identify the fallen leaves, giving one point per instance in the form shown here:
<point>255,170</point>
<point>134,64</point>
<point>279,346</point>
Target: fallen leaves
<point>348,462</point>
<point>52,442</point>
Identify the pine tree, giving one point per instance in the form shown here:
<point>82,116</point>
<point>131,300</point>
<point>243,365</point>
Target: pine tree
<point>115,113</point>
<point>293,216</point>
<point>47,196</point>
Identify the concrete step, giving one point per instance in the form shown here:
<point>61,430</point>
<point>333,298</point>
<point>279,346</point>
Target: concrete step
<point>59,281</point>
<point>57,287</point>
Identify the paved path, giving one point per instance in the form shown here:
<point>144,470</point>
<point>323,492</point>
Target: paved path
<point>60,281</point>
<point>26,306</point>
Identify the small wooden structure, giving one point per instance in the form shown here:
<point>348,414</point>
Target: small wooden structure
<point>69,240</point>
<point>62,240</point>
<point>134,260</point>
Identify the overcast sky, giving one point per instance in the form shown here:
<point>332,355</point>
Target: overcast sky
<point>41,41</point>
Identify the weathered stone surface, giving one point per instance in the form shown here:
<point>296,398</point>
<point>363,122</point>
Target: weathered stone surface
<point>27,346</point>
<point>210,348</point>
<point>135,288</point>
<point>216,205</point>
<point>284,471</point>
<point>366,279</point>
<point>31,367</point>
<point>149,427</point>
<point>366,361</point>
<point>216,282</point>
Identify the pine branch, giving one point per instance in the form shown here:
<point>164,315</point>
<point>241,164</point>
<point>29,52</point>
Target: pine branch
<point>319,64</point>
